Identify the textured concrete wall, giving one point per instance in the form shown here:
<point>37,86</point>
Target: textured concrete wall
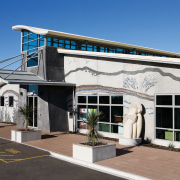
<point>53,109</point>
<point>8,113</point>
<point>137,81</point>
<point>50,64</point>
<point>19,119</point>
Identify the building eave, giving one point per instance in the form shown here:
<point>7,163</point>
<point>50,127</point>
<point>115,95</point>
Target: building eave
<point>127,57</point>
<point>92,40</point>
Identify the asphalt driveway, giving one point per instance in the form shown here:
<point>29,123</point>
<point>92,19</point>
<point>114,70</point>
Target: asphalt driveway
<point>18,161</point>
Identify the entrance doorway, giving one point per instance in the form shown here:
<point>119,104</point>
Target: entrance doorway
<point>32,103</point>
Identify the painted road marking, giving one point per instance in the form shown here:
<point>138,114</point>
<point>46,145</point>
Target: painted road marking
<point>14,160</point>
<point>13,151</point>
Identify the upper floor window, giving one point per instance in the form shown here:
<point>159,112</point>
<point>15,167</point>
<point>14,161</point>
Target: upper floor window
<point>30,43</point>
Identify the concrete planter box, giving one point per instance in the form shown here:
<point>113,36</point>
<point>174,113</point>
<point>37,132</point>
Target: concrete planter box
<point>93,153</point>
<point>24,136</point>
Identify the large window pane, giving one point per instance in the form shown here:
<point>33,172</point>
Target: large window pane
<point>81,99</point>
<point>104,127</point>
<point>164,100</point>
<point>32,44</point>
<point>92,99</point>
<point>103,99</point>
<point>25,39</point>
<point>164,117</point>
<point>117,128</point>
<point>177,118</point>
<point>81,125</point>
<point>92,108</point>
<point>117,99</point>
<point>116,114</point>
<point>164,134</point>
<point>33,88</point>
<point>89,48</point>
<point>24,47</point>
<point>105,113</point>
<point>81,112</point>
<point>32,36</point>
<point>177,100</point>
<point>34,58</point>
<point>177,135</point>
<point>83,47</point>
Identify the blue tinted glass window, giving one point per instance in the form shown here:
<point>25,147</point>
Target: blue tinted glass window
<point>33,61</point>
<point>67,44</point>
<point>101,49</point>
<point>25,39</point>
<point>24,47</point>
<point>33,44</point>
<point>49,40</point>
<point>41,43</point>
<point>121,51</point>
<point>33,88</point>
<point>111,50</point>
<point>132,52</point>
<point>73,45</point>
<point>89,48</point>
<point>95,48</point>
<point>55,42</point>
<point>61,43</point>
<point>83,47</point>
<point>32,37</point>
<point>25,33</point>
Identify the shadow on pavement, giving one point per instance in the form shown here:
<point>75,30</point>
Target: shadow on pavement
<point>123,151</point>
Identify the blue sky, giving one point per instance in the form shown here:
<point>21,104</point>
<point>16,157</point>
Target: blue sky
<point>149,23</point>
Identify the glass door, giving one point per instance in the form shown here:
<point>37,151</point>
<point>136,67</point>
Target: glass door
<point>32,103</point>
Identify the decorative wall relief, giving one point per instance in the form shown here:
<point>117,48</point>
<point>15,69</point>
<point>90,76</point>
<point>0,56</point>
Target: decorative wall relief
<point>127,102</point>
<point>130,83</point>
<point>148,82</point>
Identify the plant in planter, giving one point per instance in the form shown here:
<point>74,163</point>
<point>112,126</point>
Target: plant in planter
<point>93,150</point>
<point>25,111</point>
<point>93,136</point>
<point>26,134</point>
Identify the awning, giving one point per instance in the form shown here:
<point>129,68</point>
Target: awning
<point>27,78</point>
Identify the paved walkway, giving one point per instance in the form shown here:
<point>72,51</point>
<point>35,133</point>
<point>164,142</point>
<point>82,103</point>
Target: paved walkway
<point>139,160</point>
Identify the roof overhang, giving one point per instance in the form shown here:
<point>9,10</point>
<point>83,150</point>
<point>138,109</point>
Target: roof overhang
<point>92,40</point>
<point>26,78</point>
<point>127,57</point>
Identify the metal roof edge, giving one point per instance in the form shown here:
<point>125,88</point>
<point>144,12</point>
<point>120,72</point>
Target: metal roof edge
<point>129,57</point>
<point>96,40</point>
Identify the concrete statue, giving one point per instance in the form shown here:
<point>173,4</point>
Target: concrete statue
<point>133,122</point>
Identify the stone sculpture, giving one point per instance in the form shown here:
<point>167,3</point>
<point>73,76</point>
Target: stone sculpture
<point>133,122</point>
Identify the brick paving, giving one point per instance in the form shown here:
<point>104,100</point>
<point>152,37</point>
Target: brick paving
<point>144,161</point>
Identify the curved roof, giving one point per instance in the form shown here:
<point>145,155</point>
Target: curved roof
<point>90,39</point>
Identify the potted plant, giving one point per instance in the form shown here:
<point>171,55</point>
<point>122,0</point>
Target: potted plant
<point>93,150</point>
<point>27,134</point>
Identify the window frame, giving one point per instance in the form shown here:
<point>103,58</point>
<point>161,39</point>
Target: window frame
<point>12,101</point>
<point>110,123</point>
<point>173,106</point>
